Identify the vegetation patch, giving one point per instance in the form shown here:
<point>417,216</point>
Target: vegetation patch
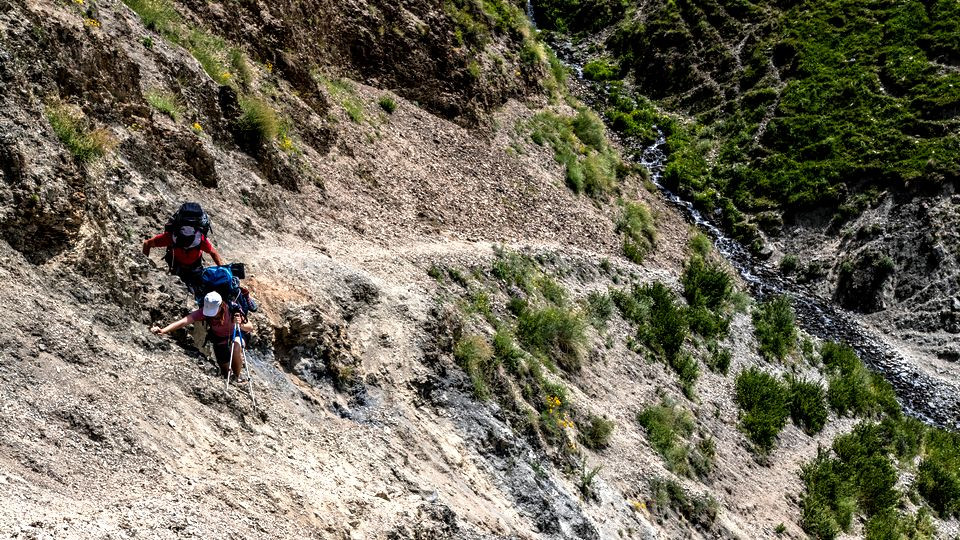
<point>388,104</point>
<point>165,102</point>
<point>77,133</point>
<point>596,431</point>
<point>808,404</point>
<point>639,232</point>
<point>775,328</point>
<point>764,404</point>
<point>555,333</point>
<point>258,124</point>
<point>580,145</point>
<point>475,356</point>
<point>669,427</point>
<point>699,510</point>
<point>852,388</point>
<point>708,289</point>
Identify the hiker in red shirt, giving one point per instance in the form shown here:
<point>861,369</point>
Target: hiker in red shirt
<point>186,242</point>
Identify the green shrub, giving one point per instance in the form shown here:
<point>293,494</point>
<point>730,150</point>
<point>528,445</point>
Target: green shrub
<point>552,291</point>
<point>165,102</point>
<point>588,127</point>
<point>76,133</point>
<point>639,232</point>
<point>595,434</point>
<point>719,359</point>
<point>829,501</point>
<point>808,406</point>
<point>601,69</point>
<point>387,104</point>
<point>600,308</point>
<point>706,284</point>
<point>579,144</point>
<point>514,269</point>
<point>211,52</point>
<point>158,15</point>
<point>687,370</point>
<point>555,333</point>
<point>763,400</point>
<point>507,353</point>
<point>258,123</point>
<point>852,388</point>
<point>701,245</point>
<point>774,328</point>
<point>240,65</point>
<point>938,479</point>
<point>789,264</point>
<point>664,328</point>
<point>474,355</point>
<point>668,428</point>
<point>895,524</point>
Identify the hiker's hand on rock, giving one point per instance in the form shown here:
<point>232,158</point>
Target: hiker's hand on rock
<point>157,330</point>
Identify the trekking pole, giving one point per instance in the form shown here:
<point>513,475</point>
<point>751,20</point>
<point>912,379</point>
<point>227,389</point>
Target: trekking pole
<point>233,344</point>
<point>243,358</point>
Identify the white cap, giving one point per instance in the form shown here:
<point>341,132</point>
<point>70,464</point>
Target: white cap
<point>211,304</point>
<point>187,230</point>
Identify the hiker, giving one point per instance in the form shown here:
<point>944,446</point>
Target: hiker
<point>185,237</point>
<point>220,317</point>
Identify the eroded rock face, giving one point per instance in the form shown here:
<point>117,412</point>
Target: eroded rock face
<point>861,280</point>
<point>314,345</point>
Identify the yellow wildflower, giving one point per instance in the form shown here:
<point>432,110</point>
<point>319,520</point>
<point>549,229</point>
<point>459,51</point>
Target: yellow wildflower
<point>92,22</point>
<point>197,127</point>
<point>269,67</point>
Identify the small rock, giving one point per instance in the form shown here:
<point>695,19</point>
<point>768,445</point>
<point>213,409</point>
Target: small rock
<point>383,495</point>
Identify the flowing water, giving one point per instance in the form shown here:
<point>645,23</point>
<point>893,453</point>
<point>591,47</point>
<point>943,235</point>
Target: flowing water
<point>923,396</point>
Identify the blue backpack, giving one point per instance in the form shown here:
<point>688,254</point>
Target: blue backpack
<point>221,279</point>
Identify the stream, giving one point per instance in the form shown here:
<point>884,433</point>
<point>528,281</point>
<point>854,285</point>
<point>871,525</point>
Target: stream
<point>928,398</point>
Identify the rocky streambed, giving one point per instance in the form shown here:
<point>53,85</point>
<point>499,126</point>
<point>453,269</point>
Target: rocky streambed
<point>933,400</point>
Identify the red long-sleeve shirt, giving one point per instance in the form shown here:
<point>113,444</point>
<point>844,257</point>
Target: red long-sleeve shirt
<point>183,257</point>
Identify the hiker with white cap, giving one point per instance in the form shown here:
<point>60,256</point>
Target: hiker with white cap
<point>221,319</point>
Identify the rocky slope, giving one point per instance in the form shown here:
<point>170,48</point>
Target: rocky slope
<point>366,160</point>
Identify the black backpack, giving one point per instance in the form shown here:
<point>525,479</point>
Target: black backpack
<point>190,214</point>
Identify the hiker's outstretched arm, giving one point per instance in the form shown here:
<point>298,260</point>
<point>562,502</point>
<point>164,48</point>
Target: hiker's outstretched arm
<point>217,259</point>
<point>172,326</point>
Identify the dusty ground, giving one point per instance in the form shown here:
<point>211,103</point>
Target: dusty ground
<point>112,432</point>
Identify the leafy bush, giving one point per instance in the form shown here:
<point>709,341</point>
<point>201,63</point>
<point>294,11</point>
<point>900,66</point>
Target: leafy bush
<point>579,144</point>
<point>852,388</point>
<point>474,355</point>
<point>165,102</point>
<point>258,123</point>
<point>789,264</point>
<point>387,104</point>
<point>706,284</point>
<point>763,400</point>
<point>774,328</point>
<point>601,69</point>
<point>687,370</point>
<point>639,232</point>
<point>595,434</point>
<point>555,333</point>
<point>859,476</point>
<point>808,407</point>
<point>700,245</point>
<point>719,359</point>
<point>76,133</point>
<point>665,329</point>
<point>938,479</point>
<point>668,428</point>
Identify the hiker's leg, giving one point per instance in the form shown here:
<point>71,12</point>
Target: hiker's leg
<point>222,353</point>
<point>237,356</point>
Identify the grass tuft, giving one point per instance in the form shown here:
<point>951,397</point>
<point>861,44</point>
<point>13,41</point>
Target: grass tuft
<point>165,102</point>
<point>85,143</point>
<point>763,400</point>
<point>775,328</point>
